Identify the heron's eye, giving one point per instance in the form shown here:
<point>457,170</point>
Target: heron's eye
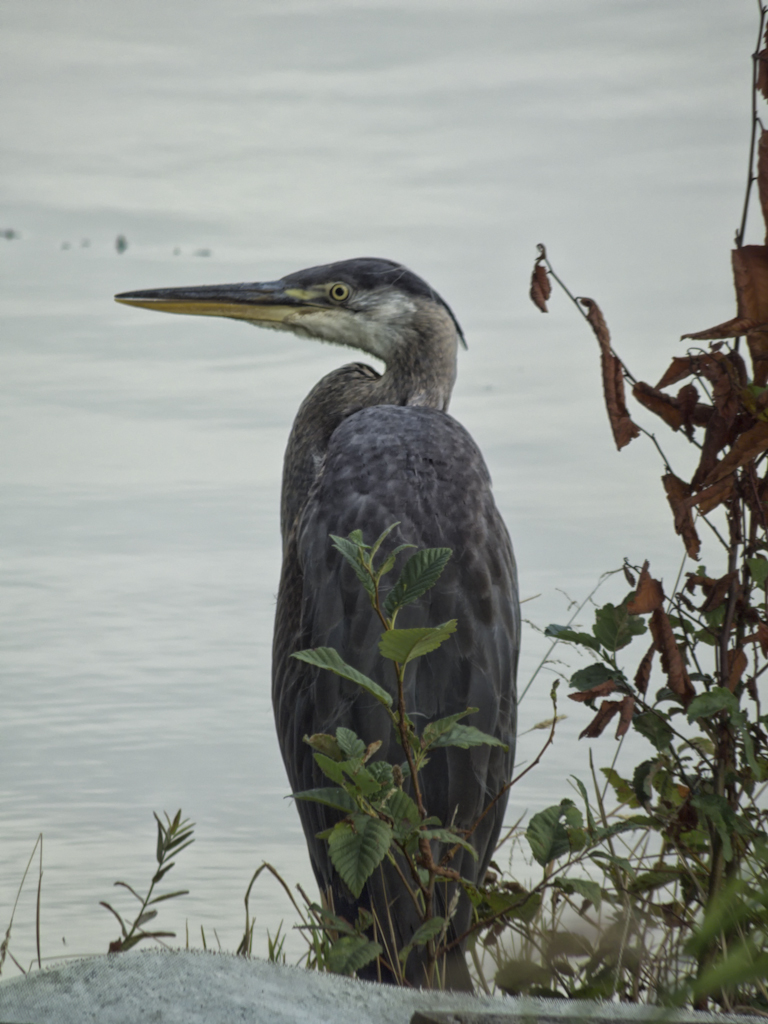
<point>339,292</point>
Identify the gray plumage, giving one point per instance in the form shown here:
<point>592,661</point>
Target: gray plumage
<point>367,449</point>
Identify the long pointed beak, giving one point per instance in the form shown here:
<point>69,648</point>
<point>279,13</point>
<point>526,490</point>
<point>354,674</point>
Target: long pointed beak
<point>266,303</point>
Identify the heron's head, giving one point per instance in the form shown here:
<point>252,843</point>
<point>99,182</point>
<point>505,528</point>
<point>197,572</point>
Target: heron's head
<point>374,305</point>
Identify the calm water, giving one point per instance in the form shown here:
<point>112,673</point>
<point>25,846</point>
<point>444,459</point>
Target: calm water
<point>141,454</point>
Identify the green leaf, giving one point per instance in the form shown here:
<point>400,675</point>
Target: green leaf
<point>377,543</point>
<point>647,881</point>
<point>466,736</point>
<point>593,675</point>
<point>621,787</point>
<point>401,808</point>
<point>654,728</point>
<point>614,627</point>
<point>403,645</point>
<point>716,699</point>
<point>744,964</point>
<point>517,976</point>
<point>330,796</point>
<point>429,930</point>
<point>420,573</point>
<point>723,817</point>
<point>357,849</point>
<point>389,563</point>
<point>325,744</point>
<point>589,890</point>
<point>382,772</point>
<point>546,834</point>
<point>758,570</point>
<point>361,778</point>
<point>349,743</point>
<point>583,790</point>
<point>433,730</point>
<point>641,780</point>
<point>349,953</point>
<point>328,658</point>
<point>572,637</point>
<point>444,835</point>
<point>330,768</point>
<point>350,549</point>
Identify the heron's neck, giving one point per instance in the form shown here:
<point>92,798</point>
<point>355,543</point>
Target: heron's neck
<point>421,364</point>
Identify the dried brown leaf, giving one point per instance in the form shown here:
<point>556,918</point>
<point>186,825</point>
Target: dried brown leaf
<point>713,496</point>
<point>672,663</point>
<point>762,73</point>
<point>716,591</point>
<point>600,690</point>
<point>608,709</point>
<point>677,492</point>
<point>643,674</point>
<point>734,328</point>
<point>737,664</point>
<point>750,277</point>
<point>760,636</point>
<point>613,380</point>
<point>541,288</point>
<point>663,405</point>
<point>746,447</point>
<point>715,439</point>
<point>625,716</point>
<point>649,594</point>
<point>680,368</point>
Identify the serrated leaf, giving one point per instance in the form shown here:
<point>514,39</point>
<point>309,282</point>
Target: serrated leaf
<point>758,570</point>
<point>382,537</point>
<point>420,573</point>
<point>401,808</point>
<point>324,744</point>
<point>361,778</point>
<point>331,796</point>
<point>404,645</point>
<point>350,744</point>
<point>466,736</point>
<point>654,728</point>
<point>389,563</point>
<point>349,953</point>
<point>328,658</point>
<point>445,835</point>
<point>716,699</point>
<point>435,729</point>
<point>350,549</point>
<point>547,836</point>
<point>427,931</point>
<point>589,890</point>
<point>614,627</point>
<point>571,636</point>
<point>593,675</point>
<point>330,768</point>
<point>382,772</point>
<point>358,848</point>
<point>621,787</point>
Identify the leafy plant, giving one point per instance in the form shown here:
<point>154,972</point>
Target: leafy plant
<point>679,912</point>
<point>172,837</point>
<point>384,815</point>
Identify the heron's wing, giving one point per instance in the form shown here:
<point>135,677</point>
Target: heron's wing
<point>420,467</point>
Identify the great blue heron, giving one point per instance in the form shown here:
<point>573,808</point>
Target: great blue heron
<point>366,450</point>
